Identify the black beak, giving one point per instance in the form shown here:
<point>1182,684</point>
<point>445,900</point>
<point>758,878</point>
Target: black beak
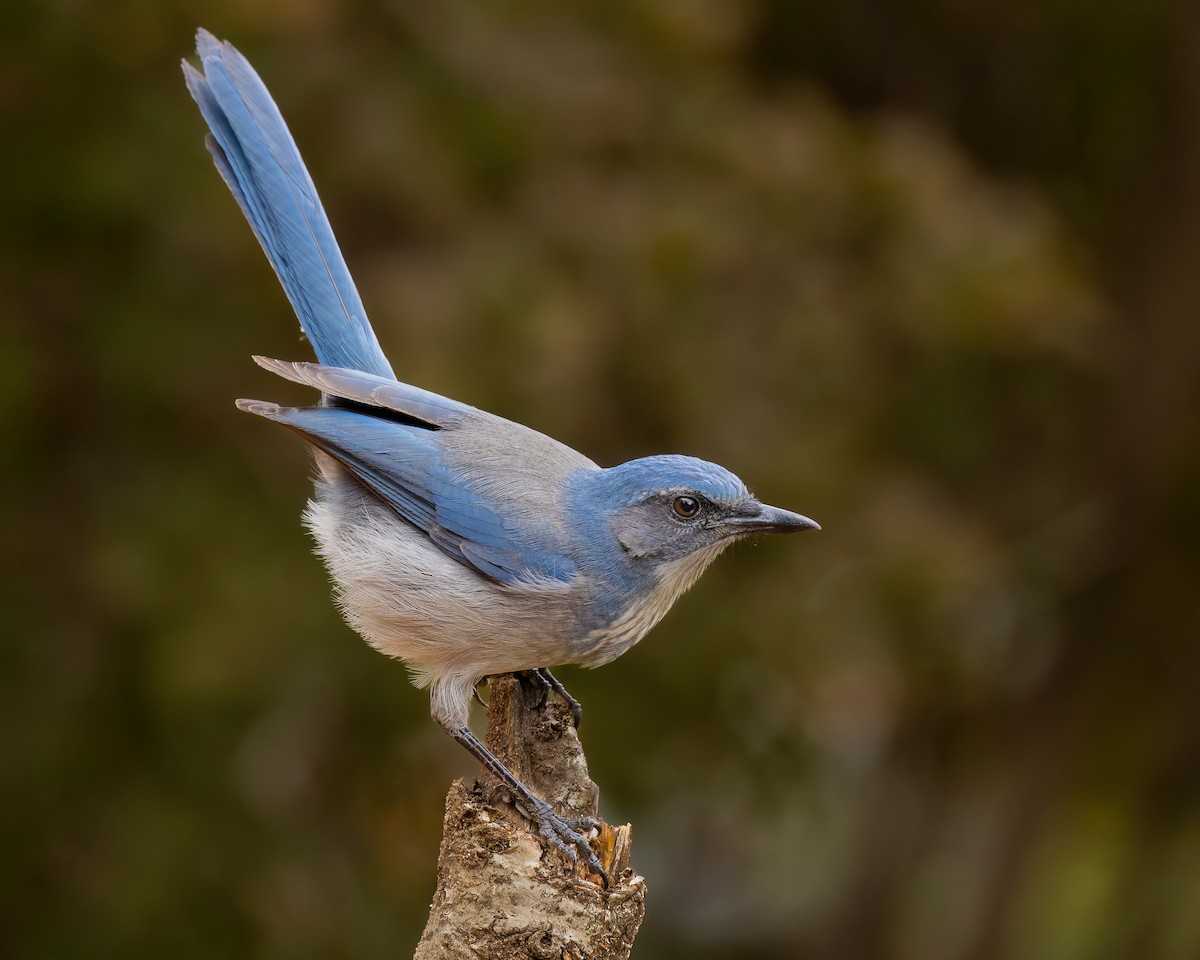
<point>771,520</point>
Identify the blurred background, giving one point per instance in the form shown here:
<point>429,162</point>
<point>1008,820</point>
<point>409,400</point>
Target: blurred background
<point>926,271</point>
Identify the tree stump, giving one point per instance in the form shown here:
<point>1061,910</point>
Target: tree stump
<point>502,893</point>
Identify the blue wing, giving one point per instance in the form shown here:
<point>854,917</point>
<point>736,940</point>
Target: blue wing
<point>403,465</point>
<point>258,159</point>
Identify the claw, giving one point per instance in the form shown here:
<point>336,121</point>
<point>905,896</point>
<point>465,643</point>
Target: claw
<point>535,677</point>
<point>564,834</point>
<point>475,693</point>
<point>550,682</point>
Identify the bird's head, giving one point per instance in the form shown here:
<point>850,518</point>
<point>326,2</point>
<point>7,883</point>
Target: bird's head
<point>648,528</point>
<point>667,508</point>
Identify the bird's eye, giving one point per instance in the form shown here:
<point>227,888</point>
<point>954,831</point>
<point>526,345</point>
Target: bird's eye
<point>686,507</point>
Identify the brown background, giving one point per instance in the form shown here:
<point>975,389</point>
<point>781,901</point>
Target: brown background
<point>926,271</point>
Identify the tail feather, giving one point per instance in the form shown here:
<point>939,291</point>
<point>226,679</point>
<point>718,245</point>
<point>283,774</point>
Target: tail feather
<point>258,159</point>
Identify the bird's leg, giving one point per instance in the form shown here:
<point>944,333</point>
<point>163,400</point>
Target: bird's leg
<point>562,833</point>
<point>550,682</point>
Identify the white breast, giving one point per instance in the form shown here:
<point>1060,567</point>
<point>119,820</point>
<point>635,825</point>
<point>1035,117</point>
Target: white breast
<point>606,644</point>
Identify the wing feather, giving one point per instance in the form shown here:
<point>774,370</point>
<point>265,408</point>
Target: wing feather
<point>405,467</point>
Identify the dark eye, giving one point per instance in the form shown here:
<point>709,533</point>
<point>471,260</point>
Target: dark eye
<point>686,507</point>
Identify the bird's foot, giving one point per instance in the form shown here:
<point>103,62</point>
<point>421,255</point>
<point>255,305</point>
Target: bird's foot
<point>568,835</point>
<point>550,682</point>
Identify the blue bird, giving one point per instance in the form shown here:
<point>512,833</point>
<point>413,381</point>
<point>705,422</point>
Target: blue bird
<point>463,543</point>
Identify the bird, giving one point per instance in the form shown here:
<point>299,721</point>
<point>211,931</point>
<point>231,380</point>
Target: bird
<point>462,543</point>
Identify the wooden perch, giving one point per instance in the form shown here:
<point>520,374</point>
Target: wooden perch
<point>502,893</point>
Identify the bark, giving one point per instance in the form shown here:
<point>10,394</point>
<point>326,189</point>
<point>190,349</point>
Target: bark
<point>502,892</point>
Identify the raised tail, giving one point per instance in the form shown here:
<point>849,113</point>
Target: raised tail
<point>258,159</point>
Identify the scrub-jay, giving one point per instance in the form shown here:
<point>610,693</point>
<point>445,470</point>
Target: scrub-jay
<point>463,543</point>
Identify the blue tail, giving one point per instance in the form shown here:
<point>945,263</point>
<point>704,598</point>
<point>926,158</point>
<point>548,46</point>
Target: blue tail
<point>256,155</point>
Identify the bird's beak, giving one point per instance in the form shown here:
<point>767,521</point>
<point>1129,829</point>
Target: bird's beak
<point>772,520</point>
